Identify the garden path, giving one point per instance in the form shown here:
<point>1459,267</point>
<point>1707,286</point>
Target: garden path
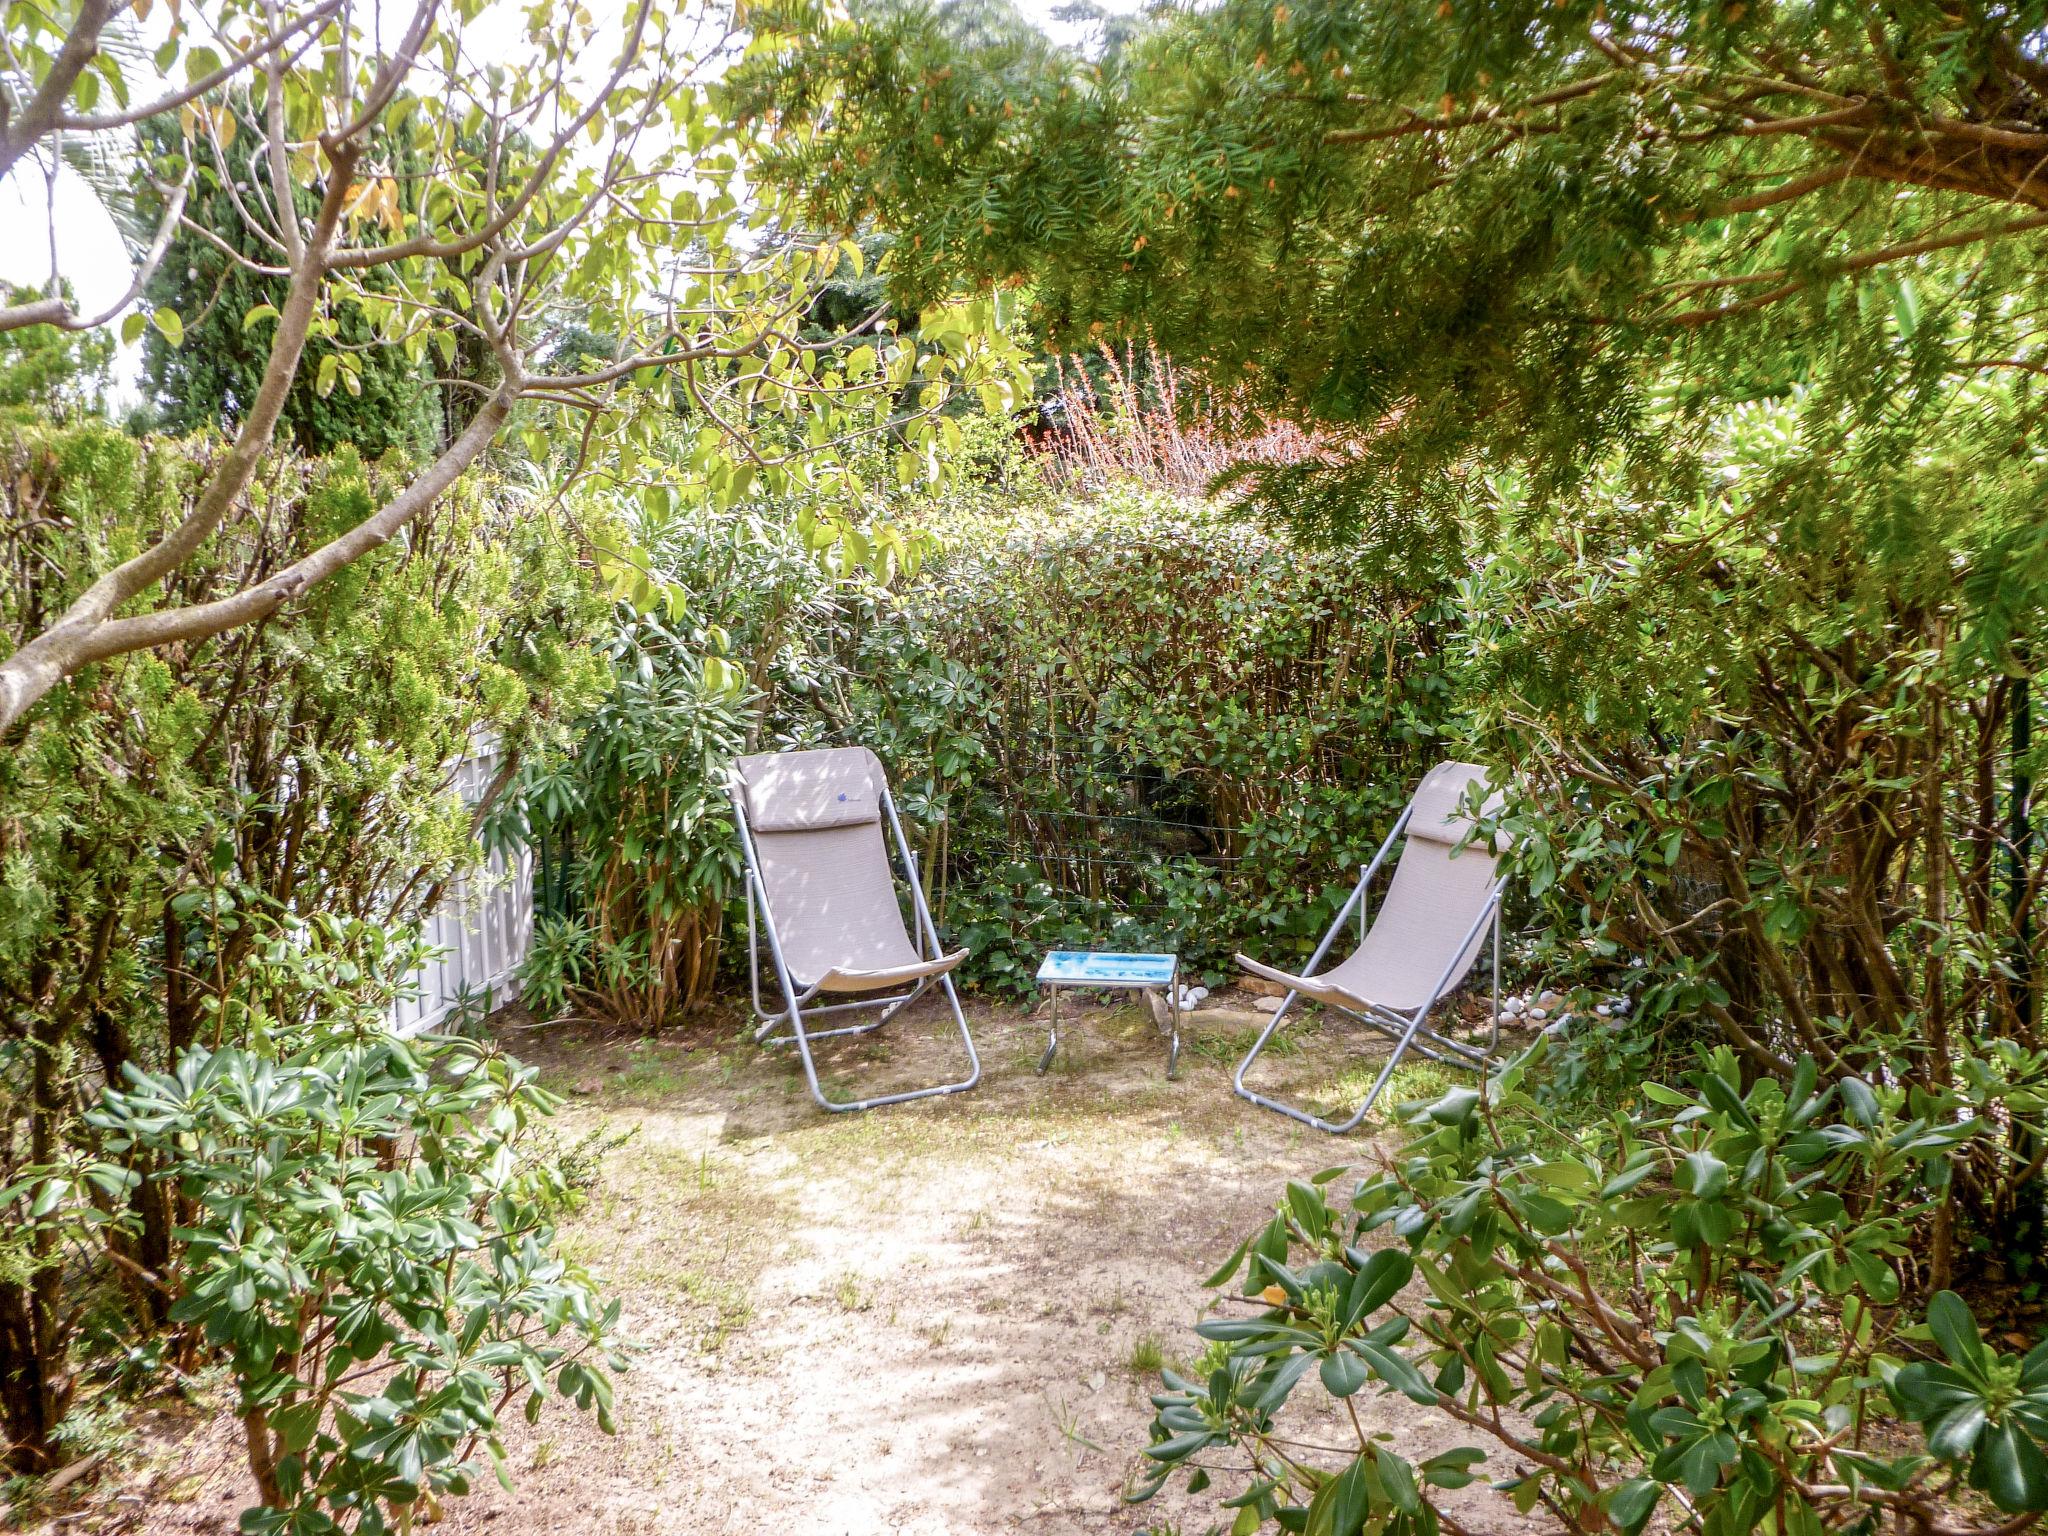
<point>940,1319</point>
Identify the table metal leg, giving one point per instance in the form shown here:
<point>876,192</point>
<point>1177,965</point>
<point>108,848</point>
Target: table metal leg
<point>1173,1049</point>
<point>1052,1037</point>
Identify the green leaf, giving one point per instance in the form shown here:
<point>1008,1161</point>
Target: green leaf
<point>1228,1267</point>
<point>2010,1467</point>
<point>1955,1330</point>
<point>1397,1373</point>
<point>1379,1278</point>
<point>1341,1505</point>
<point>1629,1504</point>
<point>167,322</point>
<point>1955,1435</point>
<point>1703,1175</point>
<point>1398,1478</point>
<point>1343,1373</point>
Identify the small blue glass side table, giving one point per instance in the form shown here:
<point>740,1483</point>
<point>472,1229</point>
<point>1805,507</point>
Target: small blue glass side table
<point>1104,971</point>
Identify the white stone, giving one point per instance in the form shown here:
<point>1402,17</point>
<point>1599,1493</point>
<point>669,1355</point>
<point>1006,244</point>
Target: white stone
<point>1601,1010</point>
<point>1268,1004</point>
<point>1539,1014</point>
<point>1549,999</point>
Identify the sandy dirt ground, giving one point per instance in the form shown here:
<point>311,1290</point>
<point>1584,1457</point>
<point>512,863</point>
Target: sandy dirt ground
<point>942,1317</point>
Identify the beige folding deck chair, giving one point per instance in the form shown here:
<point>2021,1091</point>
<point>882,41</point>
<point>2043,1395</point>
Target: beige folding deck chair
<point>1427,935</point>
<point>810,825</point>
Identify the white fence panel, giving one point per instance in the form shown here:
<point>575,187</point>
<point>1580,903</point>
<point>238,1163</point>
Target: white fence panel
<point>483,926</point>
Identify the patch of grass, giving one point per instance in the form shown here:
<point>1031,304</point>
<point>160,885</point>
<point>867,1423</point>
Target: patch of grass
<point>655,1071</point>
<point>654,1202</point>
<point>1227,1047</point>
<point>1147,1356</point>
<point>725,1307</point>
<point>852,1293</point>
<point>1068,1423</point>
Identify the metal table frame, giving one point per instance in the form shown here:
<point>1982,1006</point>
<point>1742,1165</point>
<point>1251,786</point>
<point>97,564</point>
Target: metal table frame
<point>1149,986</point>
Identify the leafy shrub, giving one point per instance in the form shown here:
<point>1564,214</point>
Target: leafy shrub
<point>369,1250</point>
<point>159,812</point>
<point>1764,738</point>
<point>1690,1307</point>
<point>1140,722</point>
<point>641,804</point>
<point>1132,722</point>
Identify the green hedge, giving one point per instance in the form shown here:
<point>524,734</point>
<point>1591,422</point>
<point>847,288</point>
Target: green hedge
<point>1142,724</point>
<point>1133,723</point>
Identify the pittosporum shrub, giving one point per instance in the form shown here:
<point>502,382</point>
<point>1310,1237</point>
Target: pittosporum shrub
<point>1692,1307</point>
<point>368,1245</point>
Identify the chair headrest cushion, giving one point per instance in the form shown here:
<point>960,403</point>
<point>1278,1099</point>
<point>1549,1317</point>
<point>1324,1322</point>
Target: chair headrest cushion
<point>811,791</point>
<point>1439,817</point>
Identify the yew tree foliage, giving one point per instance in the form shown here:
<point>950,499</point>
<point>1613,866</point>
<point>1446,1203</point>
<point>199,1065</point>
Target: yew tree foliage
<point>211,377</point>
<point>1457,226</point>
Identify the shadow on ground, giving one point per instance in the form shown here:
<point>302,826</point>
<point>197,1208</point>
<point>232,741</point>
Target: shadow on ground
<point>940,1317</point>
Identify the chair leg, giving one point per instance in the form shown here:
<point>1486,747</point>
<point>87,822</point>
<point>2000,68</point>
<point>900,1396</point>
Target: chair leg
<point>889,1006</point>
<point>1335,1128</point>
<point>1052,1032</point>
<point>802,1038</point>
<point>1403,1042</point>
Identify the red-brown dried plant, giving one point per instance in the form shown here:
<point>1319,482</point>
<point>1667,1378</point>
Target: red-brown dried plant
<point>1140,425</point>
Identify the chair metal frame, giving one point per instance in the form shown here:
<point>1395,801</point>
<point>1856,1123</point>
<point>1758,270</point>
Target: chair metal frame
<point>1409,1031</point>
<point>796,1016</point>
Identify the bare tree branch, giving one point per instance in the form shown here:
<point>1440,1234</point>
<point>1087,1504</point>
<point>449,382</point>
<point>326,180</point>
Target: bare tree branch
<point>56,310</point>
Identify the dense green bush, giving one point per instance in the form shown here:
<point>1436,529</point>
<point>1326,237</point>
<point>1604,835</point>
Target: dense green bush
<point>371,1246</point>
<point>159,812</point>
<point>639,810</point>
<point>1693,1307</point>
<point>1130,722</point>
<point>1764,743</point>
<point>1140,723</point>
